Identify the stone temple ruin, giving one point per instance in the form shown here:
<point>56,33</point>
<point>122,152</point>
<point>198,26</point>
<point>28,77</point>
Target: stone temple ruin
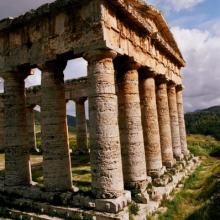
<point>137,141</point>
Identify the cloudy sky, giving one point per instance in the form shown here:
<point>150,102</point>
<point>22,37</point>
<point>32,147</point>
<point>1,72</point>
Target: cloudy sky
<point>196,27</point>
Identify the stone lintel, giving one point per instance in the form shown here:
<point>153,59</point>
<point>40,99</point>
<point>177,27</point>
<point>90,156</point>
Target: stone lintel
<point>98,54</point>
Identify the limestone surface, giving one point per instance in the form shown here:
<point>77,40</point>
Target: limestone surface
<point>150,125</point>
<point>131,132</point>
<point>164,122</point>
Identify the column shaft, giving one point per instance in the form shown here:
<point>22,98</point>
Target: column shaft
<point>174,122</point>
<point>150,125</point>
<point>2,116</point>
<point>56,156</point>
<point>182,122</point>
<point>81,128</point>
<point>131,132</point>
<point>31,129</point>
<point>17,161</point>
<point>105,153</point>
<point>164,124</point>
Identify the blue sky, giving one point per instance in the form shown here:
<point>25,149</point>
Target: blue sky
<point>196,28</point>
<point>196,16</point>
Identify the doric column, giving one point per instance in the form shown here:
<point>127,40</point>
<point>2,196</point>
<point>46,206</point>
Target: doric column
<point>174,121</point>
<point>150,124</point>
<point>2,116</point>
<point>81,128</point>
<point>105,153</point>
<point>164,122</point>
<point>131,132</point>
<point>17,161</point>
<point>56,156</point>
<point>31,129</point>
<point>179,97</point>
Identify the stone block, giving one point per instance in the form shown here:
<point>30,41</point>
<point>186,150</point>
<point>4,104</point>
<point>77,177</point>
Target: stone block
<point>113,205</point>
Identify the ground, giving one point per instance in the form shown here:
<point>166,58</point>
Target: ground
<point>198,199</point>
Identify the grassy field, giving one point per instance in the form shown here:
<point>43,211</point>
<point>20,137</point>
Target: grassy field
<point>200,197</point>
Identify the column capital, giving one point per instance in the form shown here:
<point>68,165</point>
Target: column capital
<point>179,87</point>
<point>160,79</point>
<point>95,55</point>
<point>171,84</point>
<point>124,64</point>
<point>19,73</point>
<point>55,66</point>
<point>146,72</point>
<point>80,100</point>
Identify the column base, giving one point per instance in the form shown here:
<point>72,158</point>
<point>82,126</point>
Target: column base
<point>139,190</point>
<point>156,173</point>
<point>138,185</point>
<point>169,164</point>
<point>113,205</point>
<point>179,157</point>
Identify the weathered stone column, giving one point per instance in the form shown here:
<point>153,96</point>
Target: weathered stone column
<point>56,157</point>
<point>105,153</point>
<point>131,132</point>
<point>31,129</point>
<point>174,121</point>
<point>81,128</point>
<point>164,121</point>
<point>17,161</point>
<point>150,124</point>
<point>183,141</point>
<point>2,116</point>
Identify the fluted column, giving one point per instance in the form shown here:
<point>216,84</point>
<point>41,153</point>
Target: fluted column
<point>182,127</point>
<point>2,147</point>
<point>150,124</point>
<point>81,128</point>
<point>164,122</point>
<point>31,128</point>
<point>131,132</point>
<point>105,153</point>
<point>56,156</point>
<point>17,160</point>
<point>174,121</point>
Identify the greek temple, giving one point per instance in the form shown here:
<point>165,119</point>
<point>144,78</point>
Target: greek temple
<point>137,137</point>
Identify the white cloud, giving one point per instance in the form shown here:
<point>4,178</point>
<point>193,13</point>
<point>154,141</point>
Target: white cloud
<point>201,50</point>
<point>174,4</point>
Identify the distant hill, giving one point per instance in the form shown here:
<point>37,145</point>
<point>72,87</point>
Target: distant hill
<point>205,121</point>
<point>71,120</point>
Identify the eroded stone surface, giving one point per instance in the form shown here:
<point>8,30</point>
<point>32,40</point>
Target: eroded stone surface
<point>17,161</point>
<point>105,152</point>
<point>131,133</point>
<point>174,121</point>
<point>31,129</point>
<point>56,156</point>
<point>164,122</point>
<point>81,128</point>
<point>150,125</point>
<point>182,127</point>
